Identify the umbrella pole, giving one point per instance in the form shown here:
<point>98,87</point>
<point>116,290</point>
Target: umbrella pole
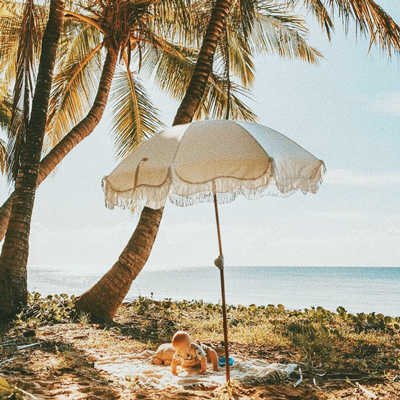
<point>219,263</point>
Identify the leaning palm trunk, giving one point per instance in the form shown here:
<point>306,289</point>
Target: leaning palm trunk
<point>104,298</point>
<point>15,251</point>
<point>83,129</point>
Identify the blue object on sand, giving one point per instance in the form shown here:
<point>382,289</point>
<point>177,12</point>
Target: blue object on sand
<point>221,361</point>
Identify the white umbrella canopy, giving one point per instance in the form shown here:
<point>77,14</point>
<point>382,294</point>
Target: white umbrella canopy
<point>190,163</point>
<point>212,161</point>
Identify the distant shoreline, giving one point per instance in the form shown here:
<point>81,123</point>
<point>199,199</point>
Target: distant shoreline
<point>355,288</point>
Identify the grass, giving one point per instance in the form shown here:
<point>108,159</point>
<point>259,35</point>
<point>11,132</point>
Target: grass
<point>332,342</point>
<point>338,349</point>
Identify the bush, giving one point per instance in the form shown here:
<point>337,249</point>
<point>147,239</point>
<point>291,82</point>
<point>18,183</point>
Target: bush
<point>49,310</point>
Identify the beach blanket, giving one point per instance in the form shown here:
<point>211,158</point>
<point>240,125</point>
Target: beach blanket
<point>138,368</point>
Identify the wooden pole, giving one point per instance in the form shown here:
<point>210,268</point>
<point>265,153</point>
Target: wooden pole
<point>219,263</point>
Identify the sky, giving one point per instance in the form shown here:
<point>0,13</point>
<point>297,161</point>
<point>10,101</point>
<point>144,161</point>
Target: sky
<point>346,111</point>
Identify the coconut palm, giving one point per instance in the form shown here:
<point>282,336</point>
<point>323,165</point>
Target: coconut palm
<point>88,56</point>
<point>158,51</point>
<point>14,254</point>
<point>243,39</point>
<point>104,298</point>
<point>143,31</point>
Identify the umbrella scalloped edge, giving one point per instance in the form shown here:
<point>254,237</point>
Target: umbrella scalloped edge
<point>184,194</point>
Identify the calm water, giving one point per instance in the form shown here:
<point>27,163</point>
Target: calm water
<point>357,289</point>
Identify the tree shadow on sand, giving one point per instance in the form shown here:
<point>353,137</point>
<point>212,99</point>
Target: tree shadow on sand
<point>58,370</point>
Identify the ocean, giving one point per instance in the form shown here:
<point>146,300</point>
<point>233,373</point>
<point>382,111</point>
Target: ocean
<point>357,289</point>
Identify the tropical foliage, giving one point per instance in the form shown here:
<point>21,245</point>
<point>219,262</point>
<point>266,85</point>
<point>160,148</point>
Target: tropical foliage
<point>157,40</point>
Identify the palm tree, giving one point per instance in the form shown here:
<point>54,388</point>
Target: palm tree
<point>104,298</point>
<point>61,109</point>
<point>14,255</point>
<point>147,35</point>
<point>146,30</point>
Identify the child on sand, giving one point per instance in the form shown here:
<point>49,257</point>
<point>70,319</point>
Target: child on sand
<point>191,355</point>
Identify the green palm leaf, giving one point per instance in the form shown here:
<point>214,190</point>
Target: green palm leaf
<point>134,116</point>
<point>75,83</point>
<point>172,67</point>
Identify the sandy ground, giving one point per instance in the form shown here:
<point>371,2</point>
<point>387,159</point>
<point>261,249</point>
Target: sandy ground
<point>63,367</point>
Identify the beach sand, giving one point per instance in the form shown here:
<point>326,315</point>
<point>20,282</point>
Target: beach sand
<point>63,366</point>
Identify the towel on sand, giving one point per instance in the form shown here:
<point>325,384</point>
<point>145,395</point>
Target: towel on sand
<point>139,368</point>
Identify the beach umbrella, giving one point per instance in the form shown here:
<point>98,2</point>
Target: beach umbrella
<point>213,160</point>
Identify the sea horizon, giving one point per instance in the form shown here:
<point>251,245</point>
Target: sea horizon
<point>358,289</point>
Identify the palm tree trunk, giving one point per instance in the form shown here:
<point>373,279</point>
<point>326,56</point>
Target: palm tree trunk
<point>14,255</point>
<point>104,298</point>
<point>83,129</point>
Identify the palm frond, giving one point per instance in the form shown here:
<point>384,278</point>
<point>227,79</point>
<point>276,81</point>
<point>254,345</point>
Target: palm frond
<point>369,17</point>
<point>5,106</point>
<point>29,43</point>
<point>320,12</point>
<point>172,66</point>
<point>11,25</point>
<point>134,116</point>
<point>260,26</point>
<point>174,19</point>
<point>3,157</point>
<point>276,30</point>
<point>241,62</point>
<point>75,84</point>
<point>218,99</point>
<point>246,10</point>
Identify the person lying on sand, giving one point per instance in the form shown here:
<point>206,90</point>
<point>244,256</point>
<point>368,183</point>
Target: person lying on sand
<point>191,355</point>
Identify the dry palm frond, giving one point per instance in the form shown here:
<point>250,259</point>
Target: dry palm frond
<point>134,116</point>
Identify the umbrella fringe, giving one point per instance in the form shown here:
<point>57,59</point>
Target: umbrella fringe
<point>183,194</point>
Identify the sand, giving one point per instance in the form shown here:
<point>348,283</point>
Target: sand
<point>63,366</point>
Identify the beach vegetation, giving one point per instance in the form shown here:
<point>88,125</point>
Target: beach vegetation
<point>327,345</point>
